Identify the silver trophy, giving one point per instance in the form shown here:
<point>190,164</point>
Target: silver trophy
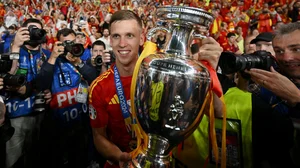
<point>171,86</point>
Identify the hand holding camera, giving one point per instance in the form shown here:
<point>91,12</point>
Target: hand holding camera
<point>106,59</point>
<point>22,35</point>
<point>58,49</point>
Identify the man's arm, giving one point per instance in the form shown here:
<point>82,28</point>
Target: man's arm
<point>45,77</point>
<point>210,51</point>
<point>89,73</point>
<point>108,149</point>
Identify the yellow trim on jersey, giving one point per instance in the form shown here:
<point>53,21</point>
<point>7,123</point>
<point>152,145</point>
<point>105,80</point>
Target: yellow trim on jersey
<point>96,81</point>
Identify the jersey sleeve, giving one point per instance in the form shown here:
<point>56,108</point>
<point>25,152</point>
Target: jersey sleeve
<point>97,106</point>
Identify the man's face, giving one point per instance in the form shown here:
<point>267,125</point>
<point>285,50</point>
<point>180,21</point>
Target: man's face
<point>80,39</point>
<point>94,30</point>
<point>239,30</point>
<point>264,45</point>
<point>11,31</point>
<point>249,48</point>
<point>97,50</point>
<point>125,39</point>
<point>105,32</point>
<point>232,39</point>
<point>287,53</point>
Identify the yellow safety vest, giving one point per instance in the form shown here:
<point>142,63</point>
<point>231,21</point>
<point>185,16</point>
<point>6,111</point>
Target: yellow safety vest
<point>196,147</point>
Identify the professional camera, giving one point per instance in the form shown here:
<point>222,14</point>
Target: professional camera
<point>75,49</point>
<point>36,34</point>
<point>230,63</point>
<point>5,64</point>
<point>98,61</point>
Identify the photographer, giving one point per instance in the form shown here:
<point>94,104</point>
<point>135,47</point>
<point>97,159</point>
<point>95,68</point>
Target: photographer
<point>20,99</point>
<point>70,82</point>
<point>100,57</point>
<point>281,89</point>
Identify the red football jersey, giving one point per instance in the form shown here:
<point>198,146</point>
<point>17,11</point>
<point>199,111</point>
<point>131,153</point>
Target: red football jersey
<point>105,111</point>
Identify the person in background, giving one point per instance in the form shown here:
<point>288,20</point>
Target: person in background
<point>68,128</point>
<point>280,88</point>
<point>264,42</point>
<point>8,37</point>
<point>106,39</point>
<point>98,49</point>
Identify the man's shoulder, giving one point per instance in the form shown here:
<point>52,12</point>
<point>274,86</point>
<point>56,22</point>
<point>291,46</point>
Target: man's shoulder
<point>103,79</point>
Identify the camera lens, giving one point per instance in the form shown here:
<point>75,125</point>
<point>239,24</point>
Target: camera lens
<point>230,63</point>
<point>98,60</point>
<point>77,50</point>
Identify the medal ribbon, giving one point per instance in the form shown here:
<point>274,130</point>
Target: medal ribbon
<point>123,103</point>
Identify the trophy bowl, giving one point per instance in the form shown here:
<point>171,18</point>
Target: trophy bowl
<point>171,88</point>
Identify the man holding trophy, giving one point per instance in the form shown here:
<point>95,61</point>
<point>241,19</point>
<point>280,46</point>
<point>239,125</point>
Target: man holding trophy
<point>110,94</point>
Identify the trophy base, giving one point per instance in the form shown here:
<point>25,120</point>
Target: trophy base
<point>144,160</point>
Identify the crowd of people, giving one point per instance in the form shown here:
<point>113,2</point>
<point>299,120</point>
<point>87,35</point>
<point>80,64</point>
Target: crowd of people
<point>61,107</point>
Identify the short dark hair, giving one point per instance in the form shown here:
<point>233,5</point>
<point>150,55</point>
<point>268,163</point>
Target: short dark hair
<point>32,20</point>
<point>99,43</point>
<point>230,34</point>
<point>64,32</point>
<point>125,15</point>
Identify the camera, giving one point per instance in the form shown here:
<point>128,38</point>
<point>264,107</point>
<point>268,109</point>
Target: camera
<point>36,34</point>
<point>75,49</point>
<point>230,63</point>
<point>98,61</point>
<point>5,64</point>
<point>39,102</point>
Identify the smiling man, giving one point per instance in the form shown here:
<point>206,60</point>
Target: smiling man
<point>111,137</point>
<point>282,90</point>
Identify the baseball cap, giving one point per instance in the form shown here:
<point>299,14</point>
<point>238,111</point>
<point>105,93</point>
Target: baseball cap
<point>265,36</point>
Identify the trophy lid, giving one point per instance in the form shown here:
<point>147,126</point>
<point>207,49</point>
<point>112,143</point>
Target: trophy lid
<point>192,15</point>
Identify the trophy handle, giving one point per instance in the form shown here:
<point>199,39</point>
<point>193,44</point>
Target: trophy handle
<point>153,31</point>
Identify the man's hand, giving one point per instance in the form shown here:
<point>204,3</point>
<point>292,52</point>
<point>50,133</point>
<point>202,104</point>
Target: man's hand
<point>280,85</point>
<point>210,50</point>
<point>58,49</point>
<point>106,57</point>
<point>22,35</point>
<point>124,158</point>
<point>1,83</point>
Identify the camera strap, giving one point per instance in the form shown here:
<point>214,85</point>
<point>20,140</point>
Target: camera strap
<point>82,91</point>
<point>36,69</point>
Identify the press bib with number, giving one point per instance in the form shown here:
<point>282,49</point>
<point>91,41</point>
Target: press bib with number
<point>30,63</point>
<point>66,105</point>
